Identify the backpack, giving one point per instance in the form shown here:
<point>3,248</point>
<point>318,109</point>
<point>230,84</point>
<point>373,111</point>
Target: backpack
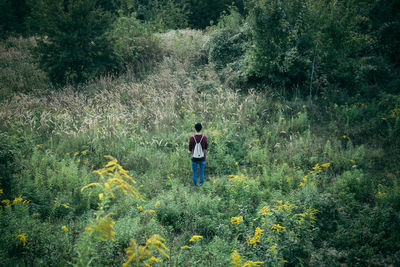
<point>198,152</point>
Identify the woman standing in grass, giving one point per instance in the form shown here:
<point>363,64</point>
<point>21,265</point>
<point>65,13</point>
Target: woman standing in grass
<point>198,145</point>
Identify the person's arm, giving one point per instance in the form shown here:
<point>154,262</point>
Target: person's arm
<point>190,144</point>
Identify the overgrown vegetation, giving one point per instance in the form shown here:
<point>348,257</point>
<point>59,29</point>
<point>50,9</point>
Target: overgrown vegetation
<point>302,167</point>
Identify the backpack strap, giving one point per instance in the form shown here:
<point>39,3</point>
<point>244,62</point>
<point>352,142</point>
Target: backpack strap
<point>194,137</point>
<point>201,139</point>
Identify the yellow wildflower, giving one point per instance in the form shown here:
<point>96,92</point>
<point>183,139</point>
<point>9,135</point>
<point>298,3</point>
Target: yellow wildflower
<point>151,260</point>
<point>1,191</point>
<point>344,136</point>
<point>64,228</point>
<point>22,238</point>
<point>136,252</point>
<point>277,227</point>
<point>256,238</point>
<point>264,210</point>
<point>76,154</point>
<point>101,196</point>
<point>195,237</point>
<point>157,204</point>
<point>84,152</point>
<point>352,161</point>
<point>236,261</point>
<point>251,263</point>
<point>325,165</point>
<point>156,242</point>
<point>104,227</point>
<point>17,200</point>
<point>237,220</point>
<point>283,206</point>
<point>185,246</point>
<point>284,261</point>
<point>150,211</point>
<point>140,208</point>
<point>237,163</point>
<point>66,206</point>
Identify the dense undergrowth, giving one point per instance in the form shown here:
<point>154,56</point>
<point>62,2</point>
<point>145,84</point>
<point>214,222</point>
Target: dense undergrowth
<point>288,181</point>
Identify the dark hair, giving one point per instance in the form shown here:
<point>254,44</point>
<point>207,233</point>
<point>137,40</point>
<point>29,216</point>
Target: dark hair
<point>198,127</point>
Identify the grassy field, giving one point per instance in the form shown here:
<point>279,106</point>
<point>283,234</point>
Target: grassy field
<point>100,175</point>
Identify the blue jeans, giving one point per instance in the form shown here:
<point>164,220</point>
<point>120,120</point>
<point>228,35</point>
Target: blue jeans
<point>194,168</point>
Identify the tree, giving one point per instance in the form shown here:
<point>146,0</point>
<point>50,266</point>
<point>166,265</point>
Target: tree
<point>73,46</point>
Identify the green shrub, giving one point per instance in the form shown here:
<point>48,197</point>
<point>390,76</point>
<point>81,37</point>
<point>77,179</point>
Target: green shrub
<point>73,47</point>
<point>20,72</point>
<point>133,41</point>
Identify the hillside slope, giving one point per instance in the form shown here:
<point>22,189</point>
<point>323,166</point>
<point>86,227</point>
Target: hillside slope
<point>287,182</point>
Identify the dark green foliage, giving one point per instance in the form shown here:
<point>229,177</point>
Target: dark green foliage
<point>73,46</point>
<point>323,45</point>
<point>160,15</point>
<point>133,42</point>
<point>227,47</point>
<point>13,15</point>
<point>20,72</point>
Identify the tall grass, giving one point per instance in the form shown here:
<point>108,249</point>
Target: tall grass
<point>305,191</point>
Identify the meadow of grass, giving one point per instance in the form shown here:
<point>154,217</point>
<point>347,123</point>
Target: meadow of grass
<point>100,175</point>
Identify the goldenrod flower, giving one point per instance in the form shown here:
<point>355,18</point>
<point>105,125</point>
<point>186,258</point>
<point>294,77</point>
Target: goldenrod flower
<point>277,227</point>
<point>283,206</point>
<point>256,238</point>
<point>195,237</point>
<point>237,220</point>
<point>22,238</point>
<point>17,200</point>
<point>114,176</point>
<point>185,246</point>
<point>325,165</point>
<point>236,260</point>
<point>150,261</point>
<point>103,226</point>
<point>6,201</point>
<point>64,228</point>
<point>150,211</point>
<point>264,210</point>
<point>140,208</point>
<point>156,242</point>
<point>101,196</point>
<point>252,263</point>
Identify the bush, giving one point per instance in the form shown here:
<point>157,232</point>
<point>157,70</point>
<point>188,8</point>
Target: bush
<point>20,72</point>
<point>73,47</point>
<point>133,42</point>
